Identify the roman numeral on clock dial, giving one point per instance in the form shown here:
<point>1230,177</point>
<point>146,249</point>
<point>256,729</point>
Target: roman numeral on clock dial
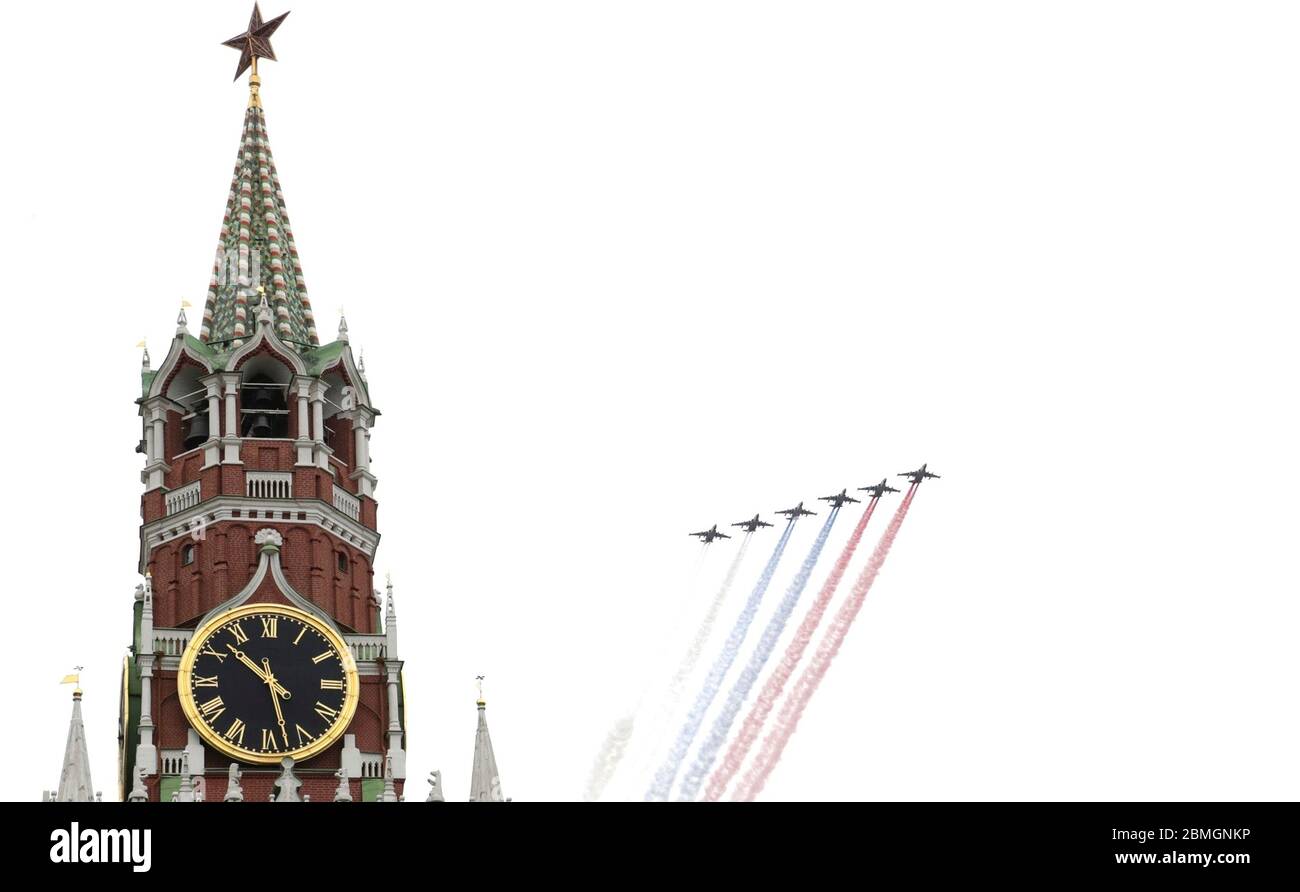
<point>236,731</point>
<point>212,709</point>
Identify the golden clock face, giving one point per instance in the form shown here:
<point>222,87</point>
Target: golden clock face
<point>264,681</point>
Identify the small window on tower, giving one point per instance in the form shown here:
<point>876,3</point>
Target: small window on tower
<point>187,555</point>
<point>343,562</point>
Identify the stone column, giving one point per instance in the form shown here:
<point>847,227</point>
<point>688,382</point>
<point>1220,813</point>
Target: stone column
<point>212,448</point>
<point>395,750</point>
<point>362,434</point>
<point>317,395</point>
<point>159,433</point>
<point>230,442</point>
<point>306,454</point>
<point>146,756</point>
<point>155,417</point>
<point>362,418</point>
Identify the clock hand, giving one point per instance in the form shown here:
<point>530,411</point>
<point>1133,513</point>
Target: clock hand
<point>243,658</point>
<point>275,699</point>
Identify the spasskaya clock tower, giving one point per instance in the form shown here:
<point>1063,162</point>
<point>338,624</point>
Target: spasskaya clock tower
<point>259,528</point>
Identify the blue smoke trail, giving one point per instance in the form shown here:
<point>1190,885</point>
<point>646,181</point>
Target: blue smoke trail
<point>667,772</point>
<point>745,683</point>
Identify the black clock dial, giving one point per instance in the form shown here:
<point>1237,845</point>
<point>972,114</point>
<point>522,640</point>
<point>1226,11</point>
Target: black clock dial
<point>269,682</point>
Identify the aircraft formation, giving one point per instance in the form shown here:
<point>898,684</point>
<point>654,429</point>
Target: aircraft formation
<point>737,756</point>
<point>839,500</point>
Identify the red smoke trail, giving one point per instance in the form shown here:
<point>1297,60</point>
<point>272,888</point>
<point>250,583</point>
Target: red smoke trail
<point>781,674</point>
<point>792,710</point>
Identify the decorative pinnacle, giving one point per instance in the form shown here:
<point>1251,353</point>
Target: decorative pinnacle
<point>253,44</point>
<point>390,608</point>
<point>144,360</point>
<point>343,327</point>
<point>263,308</point>
<point>481,701</point>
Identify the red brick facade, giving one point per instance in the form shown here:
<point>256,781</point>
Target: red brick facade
<point>194,573</point>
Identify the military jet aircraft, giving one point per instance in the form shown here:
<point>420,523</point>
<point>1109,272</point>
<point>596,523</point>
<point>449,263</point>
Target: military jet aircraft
<point>918,475</point>
<point>878,489</point>
<point>838,501</point>
<point>707,536</point>
<point>750,526</point>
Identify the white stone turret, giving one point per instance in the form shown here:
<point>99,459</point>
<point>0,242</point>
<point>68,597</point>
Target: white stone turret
<point>393,676</point>
<point>390,621</point>
<point>186,792</point>
<point>390,788</point>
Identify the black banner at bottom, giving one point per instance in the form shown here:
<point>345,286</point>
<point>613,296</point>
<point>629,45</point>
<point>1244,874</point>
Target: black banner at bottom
<point>550,842</point>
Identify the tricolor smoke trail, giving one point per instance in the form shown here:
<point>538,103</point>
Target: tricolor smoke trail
<point>749,675</point>
<point>794,652</point>
<point>793,708</point>
<point>611,753</point>
<point>667,773</point>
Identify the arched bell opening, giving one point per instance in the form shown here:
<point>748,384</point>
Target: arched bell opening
<point>191,401</point>
<point>263,399</point>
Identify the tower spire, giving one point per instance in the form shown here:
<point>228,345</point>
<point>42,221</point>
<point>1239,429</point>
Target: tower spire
<point>74,781</point>
<point>256,248</point>
<point>485,783</point>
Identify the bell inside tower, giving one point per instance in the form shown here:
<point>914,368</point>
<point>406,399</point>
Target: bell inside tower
<point>265,408</point>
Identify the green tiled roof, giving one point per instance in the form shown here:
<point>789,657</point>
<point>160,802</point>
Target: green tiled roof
<point>321,358</point>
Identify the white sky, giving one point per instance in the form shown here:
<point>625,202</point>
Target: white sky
<point>624,270</point>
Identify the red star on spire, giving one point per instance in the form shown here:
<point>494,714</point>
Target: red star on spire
<point>255,43</point>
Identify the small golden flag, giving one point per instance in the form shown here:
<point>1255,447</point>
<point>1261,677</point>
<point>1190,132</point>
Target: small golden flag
<point>71,679</point>
<point>141,344</point>
<point>186,305</point>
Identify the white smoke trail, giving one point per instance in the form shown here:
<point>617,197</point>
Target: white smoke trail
<point>793,708</point>
<point>667,773</point>
<point>749,675</point>
<point>692,656</point>
<point>611,753</point>
<point>616,742</point>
